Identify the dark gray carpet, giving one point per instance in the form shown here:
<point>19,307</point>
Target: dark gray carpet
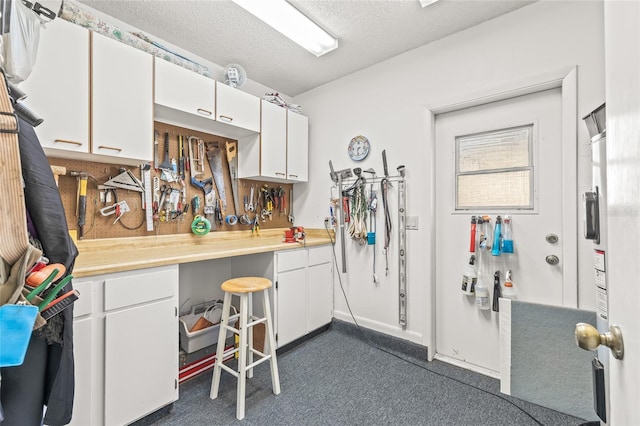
<point>336,378</point>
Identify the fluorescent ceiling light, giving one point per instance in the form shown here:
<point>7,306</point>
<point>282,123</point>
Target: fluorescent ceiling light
<point>425,3</point>
<point>285,18</point>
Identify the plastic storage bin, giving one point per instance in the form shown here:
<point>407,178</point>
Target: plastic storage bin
<point>196,340</point>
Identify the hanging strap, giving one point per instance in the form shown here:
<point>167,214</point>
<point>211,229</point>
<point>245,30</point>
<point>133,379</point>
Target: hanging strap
<point>13,223</point>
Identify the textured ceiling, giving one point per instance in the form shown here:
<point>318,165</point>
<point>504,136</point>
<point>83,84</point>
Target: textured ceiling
<point>368,32</point>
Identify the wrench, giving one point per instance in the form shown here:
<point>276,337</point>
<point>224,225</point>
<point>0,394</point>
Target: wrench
<point>251,207</point>
<point>291,217</point>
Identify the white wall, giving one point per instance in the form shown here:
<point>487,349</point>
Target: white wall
<point>385,103</point>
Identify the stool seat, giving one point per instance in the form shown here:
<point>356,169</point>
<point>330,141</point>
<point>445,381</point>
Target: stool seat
<point>246,285</point>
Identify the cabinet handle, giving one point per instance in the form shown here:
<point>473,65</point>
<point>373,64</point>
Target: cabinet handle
<point>204,111</point>
<point>67,141</point>
<point>293,176</point>
<point>226,118</point>
<point>280,174</point>
<point>110,147</point>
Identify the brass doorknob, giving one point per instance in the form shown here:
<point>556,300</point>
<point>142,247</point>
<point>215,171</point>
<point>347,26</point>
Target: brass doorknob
<point>588,338</point>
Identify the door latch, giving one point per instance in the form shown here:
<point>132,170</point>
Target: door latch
<point>552,259</point>
<point>591,216</point>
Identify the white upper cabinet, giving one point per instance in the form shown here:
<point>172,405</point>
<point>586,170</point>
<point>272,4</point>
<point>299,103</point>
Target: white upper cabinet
<point>280,152</point>
<point>184,90</point>
<point>122,100</point>
<point>297,147</point>
<point>273,142</point>
<point>58,88</point>
<point>237,108</point>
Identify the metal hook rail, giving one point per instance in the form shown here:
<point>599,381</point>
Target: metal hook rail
<point>402,235</point>
<point>377,179</point>
<point>345,177</point>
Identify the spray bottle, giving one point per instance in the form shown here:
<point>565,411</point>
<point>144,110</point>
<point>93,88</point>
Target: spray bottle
<point>469,278</point>
<point>483,241</point>
<point>472,239</point>
<point>507,241</point>
<point>497,237</point>
<point>482,296</point>
<point>509,292</point>
<point>496,292</point>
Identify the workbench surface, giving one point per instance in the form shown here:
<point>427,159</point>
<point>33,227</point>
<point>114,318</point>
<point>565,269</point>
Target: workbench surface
<point>109,255</point>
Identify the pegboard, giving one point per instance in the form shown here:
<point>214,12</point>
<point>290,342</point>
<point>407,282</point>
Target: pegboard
<point>133,224</point>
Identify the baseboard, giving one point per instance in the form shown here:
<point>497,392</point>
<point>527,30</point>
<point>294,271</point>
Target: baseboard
<point>392,343</point>
<point>286,348</point>
<point>468,366</point>
<point>152,418</point>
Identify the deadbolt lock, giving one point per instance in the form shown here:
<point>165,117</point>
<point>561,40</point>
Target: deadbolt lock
<point>551,238</point>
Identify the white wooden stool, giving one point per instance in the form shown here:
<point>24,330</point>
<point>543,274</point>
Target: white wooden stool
<point>244,287</point>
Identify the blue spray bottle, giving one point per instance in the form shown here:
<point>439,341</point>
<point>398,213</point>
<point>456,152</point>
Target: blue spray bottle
<point>497,238</point>
<point>507,242</point>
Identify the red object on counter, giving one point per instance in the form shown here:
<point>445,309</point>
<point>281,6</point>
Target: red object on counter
<point>295,234</point>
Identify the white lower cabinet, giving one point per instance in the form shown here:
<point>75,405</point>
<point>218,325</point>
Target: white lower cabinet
<point>140,361</point>
<point>320,287</point>
<point>83,403</point>
<point>125,345</point>
<point>292,306</point>
<point>85,411</point>
<point>303,293</point>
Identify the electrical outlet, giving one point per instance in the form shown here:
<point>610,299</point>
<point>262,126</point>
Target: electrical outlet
<point>412,222</point>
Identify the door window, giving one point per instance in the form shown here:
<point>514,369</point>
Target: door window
<point>494,170</point>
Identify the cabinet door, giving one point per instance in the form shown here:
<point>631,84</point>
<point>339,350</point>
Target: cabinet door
<point>141,360</point>
<point>58,87</point>
<point>179,88</point>
<point>273,143</point>
<point>237,108</point>
<point>292,305</point>
<point>320,295</point>
<point>297,147</point>
<point>83,402</point>
<point>86,405</point>
<point>122,100</point>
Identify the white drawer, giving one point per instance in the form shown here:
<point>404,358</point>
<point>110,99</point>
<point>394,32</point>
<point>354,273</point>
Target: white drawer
<point>140,287</point>
<point>292,259</point>
<point>320,255</point>
<point>84,304</point>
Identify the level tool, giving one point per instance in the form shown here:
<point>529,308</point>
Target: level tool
<point>148,204</point>
<point>402,247</point>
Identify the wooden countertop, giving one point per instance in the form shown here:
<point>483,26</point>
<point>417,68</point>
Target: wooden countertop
<point>110,255</point>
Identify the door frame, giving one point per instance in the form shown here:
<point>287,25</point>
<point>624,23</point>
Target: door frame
<point>566,79</point>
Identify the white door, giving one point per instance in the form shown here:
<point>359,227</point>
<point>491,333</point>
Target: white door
<point>622,36</point>
<point>464,334</point>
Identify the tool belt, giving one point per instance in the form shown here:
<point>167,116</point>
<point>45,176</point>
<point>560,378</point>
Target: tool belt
<point>17,318</point>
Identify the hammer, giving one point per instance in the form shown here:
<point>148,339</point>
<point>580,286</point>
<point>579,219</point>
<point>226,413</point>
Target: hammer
<point>58,171</point>
<point>81,210</point>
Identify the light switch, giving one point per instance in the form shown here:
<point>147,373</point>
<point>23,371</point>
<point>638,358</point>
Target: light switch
<point>412,222</point>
